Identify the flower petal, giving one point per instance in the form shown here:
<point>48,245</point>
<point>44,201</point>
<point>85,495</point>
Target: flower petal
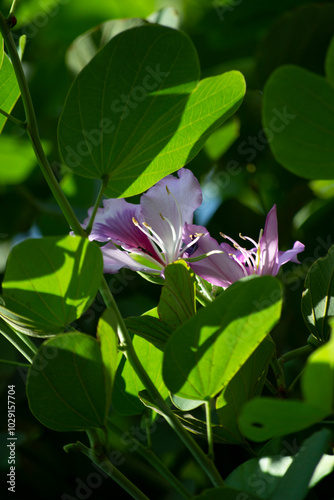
<point>114,259</point>
<point>219,269</point>
<point>178,207</point>
<point>114,222</point>
<point>290,255</point>
<point>269,245</point>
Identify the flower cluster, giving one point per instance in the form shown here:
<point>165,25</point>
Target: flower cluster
<point>148,236</point>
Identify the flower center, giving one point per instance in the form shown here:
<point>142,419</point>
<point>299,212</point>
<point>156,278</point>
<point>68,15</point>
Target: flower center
<point>249,257</point>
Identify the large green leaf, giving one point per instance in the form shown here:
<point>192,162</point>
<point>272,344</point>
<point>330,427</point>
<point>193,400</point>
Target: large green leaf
<point>127,384</point>
<point>205,353</point>
<point>246,384</point>
<point>298,111</point>
<point>84,48</point>
<point>9,89</point>
<point>50,282</point>
<point>66,385</point>
<point>317,300</point>
<point>137,122</point>
<point>177,301</point>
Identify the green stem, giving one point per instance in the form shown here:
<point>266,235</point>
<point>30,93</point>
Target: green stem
<point>97,204</point>
<point>104,463</point>
<point>32,130</point>
<point>13,119</point>
<point>15,363</point>
<point>207,405</point>
<point>279,374</point>
<point>296,353</point>
<point>21,342</point>
<point>127,347</point>
<point>155,461</point>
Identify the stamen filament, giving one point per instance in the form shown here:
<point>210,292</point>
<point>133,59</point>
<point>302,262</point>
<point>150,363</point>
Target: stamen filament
<point>156,241</point>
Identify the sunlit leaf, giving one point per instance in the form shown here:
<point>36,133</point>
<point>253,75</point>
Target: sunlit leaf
<point>50,282</point>
<point>138,122</point>
<point>205,353</point>
<point>9,89</point>
<point>178,295</point>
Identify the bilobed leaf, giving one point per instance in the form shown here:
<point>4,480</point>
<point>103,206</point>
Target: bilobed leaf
<point>298,109</point>
<point>9,89</point>
<point>317,300</point>
<point>204,354</point>
<point>50,282</point>
<point>178,295</point>
<point>137,122</point>
<point>66,385</point>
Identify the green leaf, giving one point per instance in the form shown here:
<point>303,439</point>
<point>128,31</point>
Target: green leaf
<point>204,354</point>
<point>178,295</point>
<point>317,300</point>
<point>137,123</point>
<point>280,476</point>
<point>9,89</point>
<point>150,328</point>
<point>108,339</point>
<point>50,282</point>
<point>329,63</point>
<point>17,159</point>
<point>2,52</point>
<point>85,47</point>
<point>294,484</point>
<point>66,384</point>
<point>298,110</point>
<point>226,494</point>
<point>127,384</point>
<point>246,384</point>
<point>264,418</point>
<point>318,378</point>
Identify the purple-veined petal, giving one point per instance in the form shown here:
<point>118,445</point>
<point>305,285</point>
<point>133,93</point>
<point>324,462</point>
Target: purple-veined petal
<point>114,222</point>
<point>219,269</point>
<point>174,199</point>
<point>114,259</point>
<point>291,255</point>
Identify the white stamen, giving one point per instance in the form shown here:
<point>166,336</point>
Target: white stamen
<point>155,239</point>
